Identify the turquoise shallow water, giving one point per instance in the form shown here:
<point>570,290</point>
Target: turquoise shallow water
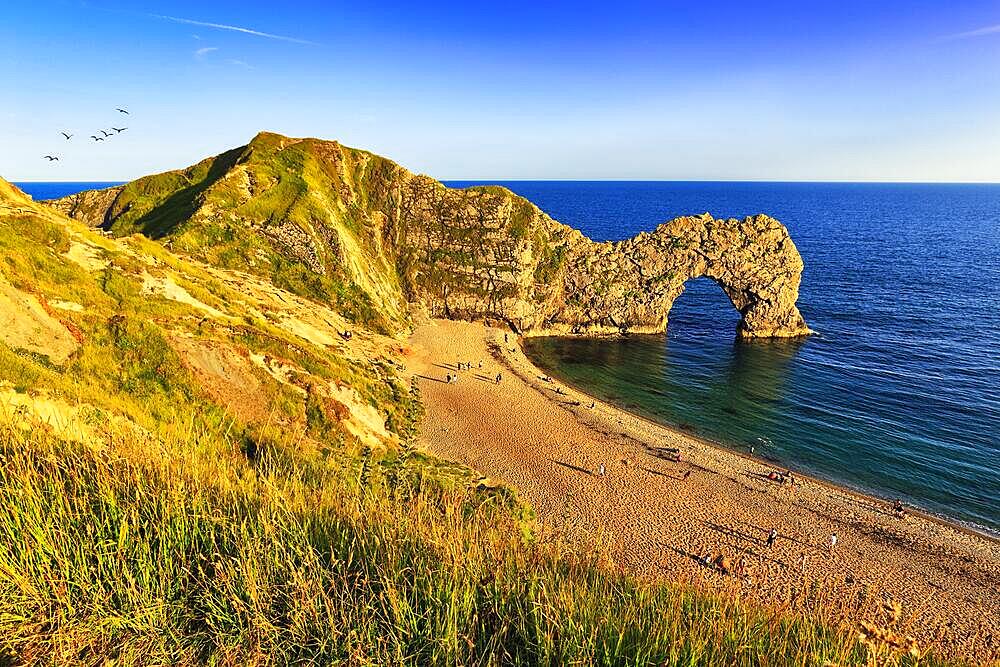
<point>898,394</point>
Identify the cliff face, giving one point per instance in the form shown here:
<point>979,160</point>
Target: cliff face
<point>343,225</point>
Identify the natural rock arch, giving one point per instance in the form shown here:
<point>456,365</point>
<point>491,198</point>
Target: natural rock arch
<point>631,285</point>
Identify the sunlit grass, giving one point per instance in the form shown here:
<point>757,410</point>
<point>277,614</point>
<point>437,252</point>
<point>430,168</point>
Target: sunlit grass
<point>192,551</point>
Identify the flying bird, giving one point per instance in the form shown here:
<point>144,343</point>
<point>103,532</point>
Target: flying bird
<point>95,138</point>
<point>122,111</point>
<point>119,130</point>
<point>68,136</point>
<point>106,134</point>
<point>50,158</point>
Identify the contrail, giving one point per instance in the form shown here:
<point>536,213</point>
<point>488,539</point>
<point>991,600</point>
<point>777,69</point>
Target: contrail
<point>978,32</point>
<point>234,28</point>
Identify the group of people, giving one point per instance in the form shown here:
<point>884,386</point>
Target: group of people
<point>724,564</point>
<point>782,478</point>
<point>452,378</point>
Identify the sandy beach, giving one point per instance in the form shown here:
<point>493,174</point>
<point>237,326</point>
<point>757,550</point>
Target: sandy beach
<point>658,516</point>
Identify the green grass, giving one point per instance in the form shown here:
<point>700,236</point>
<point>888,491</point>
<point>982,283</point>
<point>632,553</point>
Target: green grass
<point>203,549</point>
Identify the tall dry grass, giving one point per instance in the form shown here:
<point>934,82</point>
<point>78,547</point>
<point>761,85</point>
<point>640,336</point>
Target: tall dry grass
<point>226,551</point>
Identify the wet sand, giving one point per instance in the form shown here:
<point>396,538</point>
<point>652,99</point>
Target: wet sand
<point>544,439</point>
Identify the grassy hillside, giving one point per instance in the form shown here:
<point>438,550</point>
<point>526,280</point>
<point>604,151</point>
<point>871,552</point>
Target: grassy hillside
<point>344,226</point>
<point>196,467</point>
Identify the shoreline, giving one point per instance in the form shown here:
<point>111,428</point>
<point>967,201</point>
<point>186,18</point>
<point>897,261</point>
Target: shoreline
<point>659,518</point>
<point>842,487</point>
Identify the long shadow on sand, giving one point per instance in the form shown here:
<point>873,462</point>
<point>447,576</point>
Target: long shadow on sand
<point>787,537</point>
<point>734,533</point>
<point>700,560</point>
<point>663,474</point>
<point>572,467</point>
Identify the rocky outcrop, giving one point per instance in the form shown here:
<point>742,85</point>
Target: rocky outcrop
<point>631,285</point>
<point>90,206</point>
<point>356,227</point>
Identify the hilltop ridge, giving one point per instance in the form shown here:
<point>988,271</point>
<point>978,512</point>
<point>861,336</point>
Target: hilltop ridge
<point>357,230</point>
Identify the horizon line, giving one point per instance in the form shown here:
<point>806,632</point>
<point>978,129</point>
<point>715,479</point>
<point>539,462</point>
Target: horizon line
<point>613,180</point>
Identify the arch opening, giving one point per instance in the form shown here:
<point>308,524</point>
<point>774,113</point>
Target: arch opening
<point>703,309</point>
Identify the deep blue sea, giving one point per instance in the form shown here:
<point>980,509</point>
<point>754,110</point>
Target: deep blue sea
<point>40,190</point>
<point>897,394</point>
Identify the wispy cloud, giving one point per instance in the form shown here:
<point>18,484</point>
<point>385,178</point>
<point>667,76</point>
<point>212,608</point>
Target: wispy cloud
<point>237,63</point>
<point>233,28</point>
<point>202,52</point>
<point>978,32</point>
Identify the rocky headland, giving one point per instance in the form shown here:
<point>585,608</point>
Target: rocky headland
<point>345,225</point>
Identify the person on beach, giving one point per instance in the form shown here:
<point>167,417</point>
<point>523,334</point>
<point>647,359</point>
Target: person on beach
<point>771,537</point>
<point>600,470</point>
<point>498,378</point>
<point>591,405</point>
<point>833,541</point>
<point>447,378</point>
<point>505,338</point>
<point>897,507</point>
<point>724,564</point>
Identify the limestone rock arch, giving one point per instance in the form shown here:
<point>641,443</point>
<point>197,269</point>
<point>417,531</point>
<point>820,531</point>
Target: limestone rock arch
<point>630,286</point>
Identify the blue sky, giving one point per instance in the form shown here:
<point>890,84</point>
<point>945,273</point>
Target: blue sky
<point>807,90</point>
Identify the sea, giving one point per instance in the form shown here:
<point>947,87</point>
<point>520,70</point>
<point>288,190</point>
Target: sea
<point>897,394</point>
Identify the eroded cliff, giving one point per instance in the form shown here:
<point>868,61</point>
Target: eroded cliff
<point>347,226</point>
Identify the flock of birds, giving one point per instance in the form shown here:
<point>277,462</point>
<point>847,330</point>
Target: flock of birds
<point>104,136</point>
